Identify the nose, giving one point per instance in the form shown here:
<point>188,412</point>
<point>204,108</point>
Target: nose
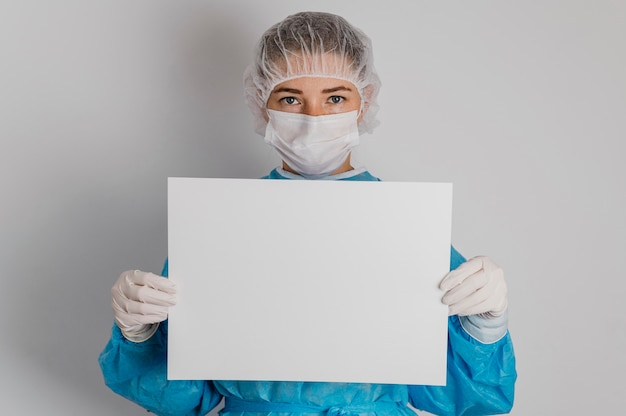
<point>314,108</point>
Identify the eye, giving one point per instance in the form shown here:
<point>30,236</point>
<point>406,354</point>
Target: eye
<point>289,100</point>
<point>336,99</point>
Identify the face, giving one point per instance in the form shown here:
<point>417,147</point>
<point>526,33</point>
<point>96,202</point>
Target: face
<point>315,96</point>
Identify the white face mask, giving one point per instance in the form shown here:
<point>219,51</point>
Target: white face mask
<point>313,146</point>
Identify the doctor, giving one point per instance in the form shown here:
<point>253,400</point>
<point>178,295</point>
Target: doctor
<point>313,90</point>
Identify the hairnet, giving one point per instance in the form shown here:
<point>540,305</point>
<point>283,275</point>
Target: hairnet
<point>312,44</point>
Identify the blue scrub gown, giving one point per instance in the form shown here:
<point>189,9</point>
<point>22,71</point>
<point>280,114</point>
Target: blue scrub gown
<point>480,377</point>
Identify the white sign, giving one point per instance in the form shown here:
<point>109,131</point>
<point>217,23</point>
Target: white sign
<point>308,280</point>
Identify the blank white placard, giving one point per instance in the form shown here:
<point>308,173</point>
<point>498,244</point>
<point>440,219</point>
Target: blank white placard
<point>308,280</point>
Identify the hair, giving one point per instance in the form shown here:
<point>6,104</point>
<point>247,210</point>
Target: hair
<point>312,34</point>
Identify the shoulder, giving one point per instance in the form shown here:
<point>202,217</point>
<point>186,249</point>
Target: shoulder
<point>364,176</point>
<point>273,175</point>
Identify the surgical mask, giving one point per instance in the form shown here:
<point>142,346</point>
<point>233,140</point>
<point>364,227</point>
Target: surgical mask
<point>313,146</point>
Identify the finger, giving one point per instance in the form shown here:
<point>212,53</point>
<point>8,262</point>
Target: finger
<point>127,307</point>
<point>468,310</point>
<point>153,281</point>
<point>149,295</point>
<point>136,313</point>
<point>477,302</point>
<point>131,309</point>
<point>466,288</point>
<point>456,276</point>
<point>124,294</point>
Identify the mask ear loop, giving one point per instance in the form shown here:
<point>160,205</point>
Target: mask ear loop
<point>361,107</point>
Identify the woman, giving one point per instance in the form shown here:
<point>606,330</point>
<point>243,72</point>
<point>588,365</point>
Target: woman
<point>313,90</point>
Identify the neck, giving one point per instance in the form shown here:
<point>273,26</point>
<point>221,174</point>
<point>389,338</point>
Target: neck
<point>345,167</point>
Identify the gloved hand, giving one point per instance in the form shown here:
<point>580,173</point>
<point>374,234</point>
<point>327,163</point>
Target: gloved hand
<point>475,287</point>
<point>140,301</point>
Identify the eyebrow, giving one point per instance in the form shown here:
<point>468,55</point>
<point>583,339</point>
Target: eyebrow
<point>341,88</point>
<point>290,90</point>
<point>326,91</point>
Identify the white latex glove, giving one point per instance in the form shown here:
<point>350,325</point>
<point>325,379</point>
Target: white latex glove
<point>141,300</point>
<point>475,287</point>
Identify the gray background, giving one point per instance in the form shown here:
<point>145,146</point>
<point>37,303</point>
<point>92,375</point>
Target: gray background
<point>520,104</point>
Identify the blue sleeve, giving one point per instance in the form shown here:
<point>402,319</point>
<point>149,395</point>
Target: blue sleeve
<point>138,372</point>
<point>480,377</point>
<point>456,258</point>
